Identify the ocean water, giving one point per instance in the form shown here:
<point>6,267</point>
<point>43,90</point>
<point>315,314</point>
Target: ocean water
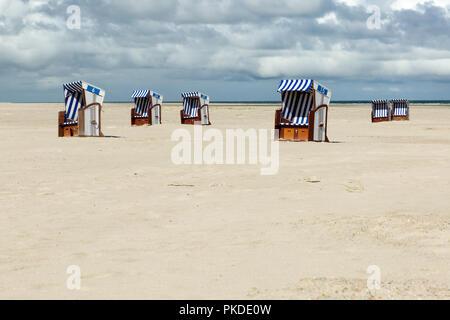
<point>421,102</point>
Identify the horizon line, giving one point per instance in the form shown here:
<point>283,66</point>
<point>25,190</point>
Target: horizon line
<point>254,101</point>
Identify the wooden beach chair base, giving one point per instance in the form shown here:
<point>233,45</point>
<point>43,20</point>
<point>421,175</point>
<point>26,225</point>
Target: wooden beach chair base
<point>70,131</point>
<point>191,121</point>
<point>294,133</point>
<point>399,118</point>
<point>139,121</point>
<point>298,133</point>
<point>375,120</point>
<point>66,130</point>
<point>145,121</point>
<point>384,119</point>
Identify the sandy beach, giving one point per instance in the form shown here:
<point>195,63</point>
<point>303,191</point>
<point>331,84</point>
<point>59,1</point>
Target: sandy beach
<point>141,227</point>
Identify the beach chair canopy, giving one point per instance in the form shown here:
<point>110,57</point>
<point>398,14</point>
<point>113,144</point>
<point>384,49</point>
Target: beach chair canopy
<point>298,99</point>
<point>400,108</point>
<point>192,101</point>
<point>144,99</point>
<point>380,108</point>
<point>75,94</point>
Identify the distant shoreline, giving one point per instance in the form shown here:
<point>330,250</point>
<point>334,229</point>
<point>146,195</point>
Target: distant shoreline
<point>421,102</point>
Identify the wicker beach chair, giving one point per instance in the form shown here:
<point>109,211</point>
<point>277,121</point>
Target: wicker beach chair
<point>304,112</point>
<point>400,110</point>
<point>147,110</point>
<point>380,111</point>
<point>82,115</point>
<point>195,108</point>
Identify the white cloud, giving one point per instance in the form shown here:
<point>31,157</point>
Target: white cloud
<point>221,40</point>
<point>329,18</point>
<point>412,4</point>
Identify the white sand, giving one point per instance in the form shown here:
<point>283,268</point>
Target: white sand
<point>108,206</point>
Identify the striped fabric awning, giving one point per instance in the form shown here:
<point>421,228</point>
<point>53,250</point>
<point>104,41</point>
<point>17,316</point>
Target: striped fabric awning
<point>194,95</point>
<point>142,106</point>
<point>140,94</point>
<point>142,101</point>
<point>303,85</point>
<point>296,107</point>
<point>380,108</point>
<point>400,108</point>
<point>191,106</point>
<point>73,87</point>
<point>190,95</point>
<point>73,102</point>
<point>73,98</point>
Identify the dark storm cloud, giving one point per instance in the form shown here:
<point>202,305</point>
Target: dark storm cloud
<point>122,43</point>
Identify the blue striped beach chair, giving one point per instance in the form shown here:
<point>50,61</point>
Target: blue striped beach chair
<point>304,111</point>
<point>195,108</point>
<point>400,110</point>
<point>82,115</point>
<point>147,110</point>
<point>380,111</point>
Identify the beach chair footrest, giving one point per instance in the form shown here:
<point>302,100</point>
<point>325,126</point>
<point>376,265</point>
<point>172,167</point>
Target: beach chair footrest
<point>138,121</point>
<point>294,133</point>
<point>380,119</point>
<point>71,131</point>
<point>399,118</point>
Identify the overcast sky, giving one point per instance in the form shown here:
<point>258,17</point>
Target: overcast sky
<point>230,49</point>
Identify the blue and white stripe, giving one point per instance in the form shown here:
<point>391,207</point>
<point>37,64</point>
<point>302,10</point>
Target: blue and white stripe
<point>142,106</point>
<point>296,107</point>
<point>400,108</point>
<point>302,85</point>
<point>191,95</point>
<point>73,87</point>
<point>191,106</point>
<point>140,94</point>
<point>380,108</point>
<point>142,101</point>
<point>73,98</point>
<point>73,102</point>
